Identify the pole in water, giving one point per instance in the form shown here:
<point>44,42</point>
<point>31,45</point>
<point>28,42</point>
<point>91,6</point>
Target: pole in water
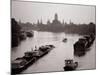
<point>35,48</point>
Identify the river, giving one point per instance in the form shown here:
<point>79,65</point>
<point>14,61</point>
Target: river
<point>54,60</point>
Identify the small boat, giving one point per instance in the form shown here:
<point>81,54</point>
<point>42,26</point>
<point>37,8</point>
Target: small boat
<point>65,40</point>
<point>29,34</point>
<point>70,65</point>
<point>22,36</point>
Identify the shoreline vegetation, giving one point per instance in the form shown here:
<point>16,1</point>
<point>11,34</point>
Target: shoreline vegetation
<point>70,28</point>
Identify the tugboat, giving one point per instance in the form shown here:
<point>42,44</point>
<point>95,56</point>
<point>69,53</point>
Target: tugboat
<point>64,40</point>
<point>70,65</point>
<point>21,63</point>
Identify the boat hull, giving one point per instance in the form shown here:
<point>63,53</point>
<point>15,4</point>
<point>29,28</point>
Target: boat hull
<point>71,67</point>
<point>20,69</point>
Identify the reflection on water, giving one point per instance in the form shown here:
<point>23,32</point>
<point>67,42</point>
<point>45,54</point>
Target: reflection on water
<point>54,60</point>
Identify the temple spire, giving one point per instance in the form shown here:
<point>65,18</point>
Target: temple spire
<point>19,21</point>
<point>48,22</point>
<point>41,21</point>
<point>38,22</point>
<point>56,16</point>
<point>63,22</point>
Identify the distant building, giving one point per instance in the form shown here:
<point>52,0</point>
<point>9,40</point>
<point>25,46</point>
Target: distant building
<point>56,21</point>
<point>38,22</point>
<point>56,16</point>
<point>48,22</point>
<point>71,23</point>
<point>41,21</point>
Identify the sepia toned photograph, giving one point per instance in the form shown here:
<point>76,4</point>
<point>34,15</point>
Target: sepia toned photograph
<point>52,37</point>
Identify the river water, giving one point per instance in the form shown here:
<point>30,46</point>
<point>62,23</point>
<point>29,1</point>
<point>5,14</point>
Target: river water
<point>54,60</point>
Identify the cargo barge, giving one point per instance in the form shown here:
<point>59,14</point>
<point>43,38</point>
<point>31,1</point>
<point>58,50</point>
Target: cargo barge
<point>83,45</point>
<point>30,57</point>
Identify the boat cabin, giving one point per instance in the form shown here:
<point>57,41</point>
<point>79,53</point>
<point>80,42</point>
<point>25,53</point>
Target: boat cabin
<point>18,63</point>
<point>44,48</point>
<point>68,61</point>
<point>83,40</point>
<point>32,53</point>
<point>28,54</point>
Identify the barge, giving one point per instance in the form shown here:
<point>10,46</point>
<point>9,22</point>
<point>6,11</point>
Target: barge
<point>83,45</point>
<point>30,57</point>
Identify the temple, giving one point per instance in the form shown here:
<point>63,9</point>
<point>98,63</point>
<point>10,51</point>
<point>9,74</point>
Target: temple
<point>56,21</point>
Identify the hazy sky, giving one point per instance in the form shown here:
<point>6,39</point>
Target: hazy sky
<point>32,11</point>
